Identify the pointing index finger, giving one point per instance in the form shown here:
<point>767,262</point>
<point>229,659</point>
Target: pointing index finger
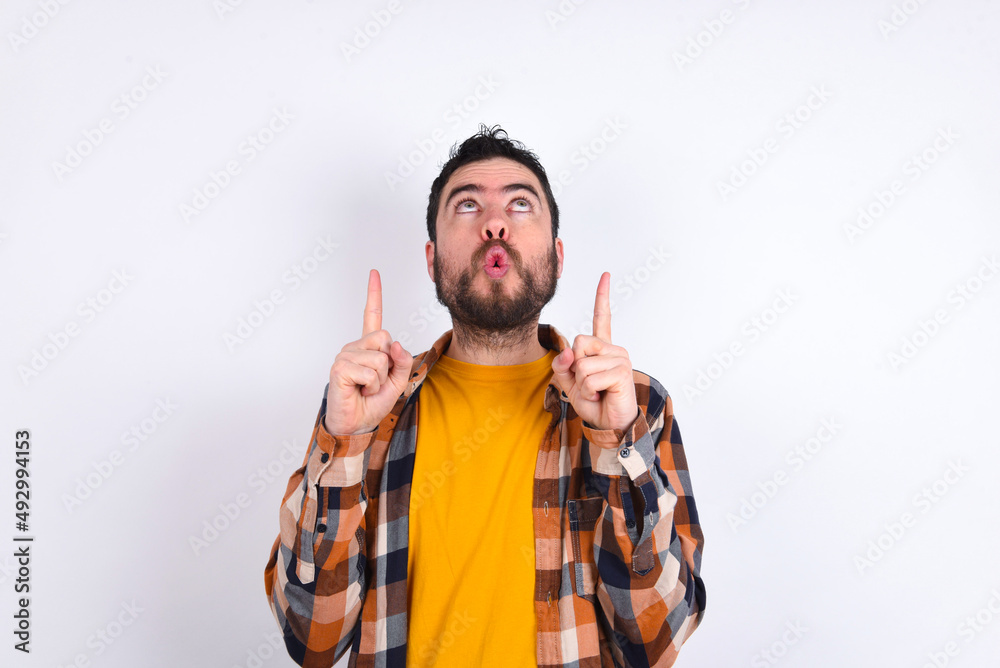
<point>602,309</point>
<point>373,305</point>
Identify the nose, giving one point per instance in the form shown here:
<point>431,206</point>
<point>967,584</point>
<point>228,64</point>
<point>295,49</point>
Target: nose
<point>494,225</point>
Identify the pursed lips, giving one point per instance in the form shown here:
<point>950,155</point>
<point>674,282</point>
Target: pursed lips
<point>496,262</point>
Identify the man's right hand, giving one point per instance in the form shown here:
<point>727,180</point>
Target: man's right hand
<point>368,375</point>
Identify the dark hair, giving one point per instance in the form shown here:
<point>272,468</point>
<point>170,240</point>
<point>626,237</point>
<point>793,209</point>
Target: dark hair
<point>485,144</point>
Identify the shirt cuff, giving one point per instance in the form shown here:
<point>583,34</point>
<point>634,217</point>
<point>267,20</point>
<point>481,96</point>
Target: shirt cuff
<point>624,458</point>
<point>339,460</point>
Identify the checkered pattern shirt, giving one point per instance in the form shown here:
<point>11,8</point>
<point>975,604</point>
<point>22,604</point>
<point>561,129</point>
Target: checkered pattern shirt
<point>617,540</point>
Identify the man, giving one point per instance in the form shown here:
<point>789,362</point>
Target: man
<point>504,498</point>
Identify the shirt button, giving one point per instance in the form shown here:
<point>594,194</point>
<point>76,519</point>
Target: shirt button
<point>624,452</point>
<point>324,457</point>
<point>630,523</point>
<point>321,528</point>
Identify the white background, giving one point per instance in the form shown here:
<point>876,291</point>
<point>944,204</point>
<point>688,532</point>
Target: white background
<point>891,77</point>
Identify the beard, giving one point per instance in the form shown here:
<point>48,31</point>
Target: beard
<point>497,317</point>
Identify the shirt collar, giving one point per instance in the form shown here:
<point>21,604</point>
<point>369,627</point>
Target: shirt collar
<point>548,336</point>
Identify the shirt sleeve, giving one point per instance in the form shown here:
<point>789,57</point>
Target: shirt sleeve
<point>315,576</point>
<point>648,557</point>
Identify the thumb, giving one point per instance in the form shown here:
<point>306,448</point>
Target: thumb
<point>561,374</point>
<point>401,363</point>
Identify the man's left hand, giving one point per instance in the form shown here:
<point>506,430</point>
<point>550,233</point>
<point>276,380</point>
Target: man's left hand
<point>596,375</point>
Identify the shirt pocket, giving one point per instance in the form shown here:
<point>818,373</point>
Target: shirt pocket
<point>583,517</point>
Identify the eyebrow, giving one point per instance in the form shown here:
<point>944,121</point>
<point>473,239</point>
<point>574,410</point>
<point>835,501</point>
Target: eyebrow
<point>476,188</point>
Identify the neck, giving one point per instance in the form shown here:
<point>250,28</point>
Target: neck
<point>475,346</point>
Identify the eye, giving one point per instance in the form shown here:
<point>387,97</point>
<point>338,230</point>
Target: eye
<point>522,204</point>
<point>461,206</point>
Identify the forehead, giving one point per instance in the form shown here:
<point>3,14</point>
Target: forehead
<point>493,173</point>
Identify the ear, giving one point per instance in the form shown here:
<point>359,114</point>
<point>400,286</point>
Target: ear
<point>559,254</point>
<point>429,252</point>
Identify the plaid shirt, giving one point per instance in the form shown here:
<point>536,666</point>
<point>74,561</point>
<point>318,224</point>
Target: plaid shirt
<point>617,540</point>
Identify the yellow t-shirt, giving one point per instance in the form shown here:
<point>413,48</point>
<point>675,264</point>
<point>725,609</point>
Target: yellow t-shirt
<point>472,555</point>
